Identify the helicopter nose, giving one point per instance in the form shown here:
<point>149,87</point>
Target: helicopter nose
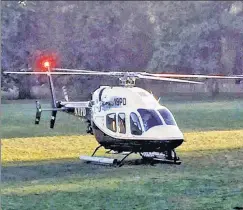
<point>164,132</point>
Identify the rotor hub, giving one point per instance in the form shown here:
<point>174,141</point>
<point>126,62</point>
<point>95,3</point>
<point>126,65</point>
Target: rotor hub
<point>128,79</point>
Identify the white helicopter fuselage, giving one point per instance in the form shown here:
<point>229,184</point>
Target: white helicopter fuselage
<point>130,118</point>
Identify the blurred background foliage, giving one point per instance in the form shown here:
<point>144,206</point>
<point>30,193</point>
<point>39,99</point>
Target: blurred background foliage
<point>198,37</point>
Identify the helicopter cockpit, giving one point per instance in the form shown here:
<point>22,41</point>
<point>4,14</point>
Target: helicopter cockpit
<point>139,121</point>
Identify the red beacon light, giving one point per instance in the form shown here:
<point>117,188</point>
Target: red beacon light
<point>46,64</point>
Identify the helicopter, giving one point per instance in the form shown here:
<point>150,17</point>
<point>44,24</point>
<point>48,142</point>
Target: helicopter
<point>124,119</point>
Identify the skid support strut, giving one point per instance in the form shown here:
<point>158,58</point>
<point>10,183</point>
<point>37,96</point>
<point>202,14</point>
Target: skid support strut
<point>120,163</point>
<point>171,156</point>
<point>166,157</point>
<point>104,160</point>
<point>97,148</point>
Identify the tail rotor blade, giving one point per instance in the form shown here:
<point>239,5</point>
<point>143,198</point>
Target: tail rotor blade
<point>53,119</point>
<point>38,113</point>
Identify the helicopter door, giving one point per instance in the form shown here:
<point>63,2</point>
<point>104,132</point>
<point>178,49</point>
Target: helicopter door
<point>135,125</point>
<point>121,125</point>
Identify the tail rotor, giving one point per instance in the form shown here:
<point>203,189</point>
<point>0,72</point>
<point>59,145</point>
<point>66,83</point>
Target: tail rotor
<point>53,118</point>
<point>38,112</point>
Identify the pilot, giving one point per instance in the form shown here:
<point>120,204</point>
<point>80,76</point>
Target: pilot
<point>135,126</point>
<point>146,119</point>
<point>135,129</point>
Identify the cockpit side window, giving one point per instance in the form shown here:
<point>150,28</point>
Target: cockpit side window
<point>150,118</point>
<point>135,125</point>
<point>111,122</point>
<point>167,116</point>
<point>121,123</point>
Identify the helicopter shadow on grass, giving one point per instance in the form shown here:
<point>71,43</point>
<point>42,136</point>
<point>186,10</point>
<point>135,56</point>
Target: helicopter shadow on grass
<point>62,168</point>
<point>27,171</point>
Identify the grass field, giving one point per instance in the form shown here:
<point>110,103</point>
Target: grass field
<point>41,169</point>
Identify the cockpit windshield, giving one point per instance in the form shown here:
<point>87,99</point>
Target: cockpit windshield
<point>167,116</point>
<point>150,118</point>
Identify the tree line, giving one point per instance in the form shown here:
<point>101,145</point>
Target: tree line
<point>199,37</point>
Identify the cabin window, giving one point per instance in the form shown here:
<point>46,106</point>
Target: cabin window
<point>135,125</point>
<point>150,118</point>
<point>167,116</point>
<point>111,122</point>
<point>121,123</point>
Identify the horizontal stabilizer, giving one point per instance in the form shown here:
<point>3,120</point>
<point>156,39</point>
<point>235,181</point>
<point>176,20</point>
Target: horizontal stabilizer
<point>77,104</point>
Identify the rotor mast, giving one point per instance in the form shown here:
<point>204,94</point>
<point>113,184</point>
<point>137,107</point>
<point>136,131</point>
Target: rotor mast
<point>128,80</point>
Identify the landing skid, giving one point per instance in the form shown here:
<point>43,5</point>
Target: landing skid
<point>167,157</point>
<point>149,157</point>
<point>104,160</point>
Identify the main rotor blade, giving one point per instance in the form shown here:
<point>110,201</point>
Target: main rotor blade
<point>84,70</point>
<point>143,75</point>
<point>74,70</point>
<point>64,73</point>
<point>194,76</point>
<point>168,79</point>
